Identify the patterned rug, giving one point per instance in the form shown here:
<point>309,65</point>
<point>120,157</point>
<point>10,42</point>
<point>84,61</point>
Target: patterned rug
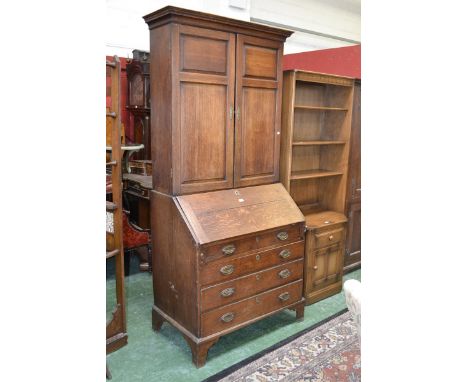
<point>329,352</point>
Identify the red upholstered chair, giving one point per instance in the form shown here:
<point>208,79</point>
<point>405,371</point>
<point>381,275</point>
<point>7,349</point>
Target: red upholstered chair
<point>134,237</point>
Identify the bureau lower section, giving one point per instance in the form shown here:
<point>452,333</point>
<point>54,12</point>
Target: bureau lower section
<point>208,283</point>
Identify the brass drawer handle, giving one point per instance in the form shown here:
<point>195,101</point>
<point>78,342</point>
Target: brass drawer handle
<point>284,296</point>
<point>227,292</point>
<point>228,249</point>
<point>227,269</point>
<point>330,237</point>
<point>284,274</point>
<point>285,253</point>
<point>228,317</point>
<point>282,235</point>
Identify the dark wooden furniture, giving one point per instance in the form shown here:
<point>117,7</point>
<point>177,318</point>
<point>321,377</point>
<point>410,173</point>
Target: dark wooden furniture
<point>225,259</point>
<point>116,328</point>
<point>316,121</point>
<point>216,88</point>
<point>138,100</point>
<point>137,196</point>
<point>353,195</point>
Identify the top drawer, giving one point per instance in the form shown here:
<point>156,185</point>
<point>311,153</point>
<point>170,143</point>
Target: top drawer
<point>234,248</point>
<point>324,239</point>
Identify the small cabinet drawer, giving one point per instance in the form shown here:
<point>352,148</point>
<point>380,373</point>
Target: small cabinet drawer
<point>324,239</point>
<point>234,314</point>
<point>231,268</point>
<point>262,241</point>
<point>240,288</point>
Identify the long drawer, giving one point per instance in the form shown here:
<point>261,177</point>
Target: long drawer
<point>234,314</point>
<point>237,247</point>
<point>246,286</point>
<point>228,269</point>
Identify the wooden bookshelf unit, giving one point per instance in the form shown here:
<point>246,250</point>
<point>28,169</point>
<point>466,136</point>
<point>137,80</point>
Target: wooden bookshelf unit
<point>316,123</point>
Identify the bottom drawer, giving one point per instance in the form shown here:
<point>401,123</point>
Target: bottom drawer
<point>234,314</point>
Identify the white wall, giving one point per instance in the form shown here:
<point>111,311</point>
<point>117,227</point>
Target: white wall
<point>319,24</point>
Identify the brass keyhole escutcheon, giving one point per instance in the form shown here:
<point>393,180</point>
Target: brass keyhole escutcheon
<point>258,277</point>
<point>257,300</point>
<point>257,257</point>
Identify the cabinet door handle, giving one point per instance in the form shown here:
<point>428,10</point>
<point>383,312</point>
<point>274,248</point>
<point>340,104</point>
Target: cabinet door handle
<point>284,274</point>
<point>315,267</point>
<point>282,235</point>
<point>285,253</point>
<point>228,249</point>
<point>228,317</point>
<point>227,269</point>
<point>330,237</point>
<point>284,296</point>
<point>227,292</point>
<point>231,112</point>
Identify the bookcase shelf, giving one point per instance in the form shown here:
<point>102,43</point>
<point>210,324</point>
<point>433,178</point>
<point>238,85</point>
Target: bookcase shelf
<point>317,143</point>
<point>310,174</point>
<point>320,108</point>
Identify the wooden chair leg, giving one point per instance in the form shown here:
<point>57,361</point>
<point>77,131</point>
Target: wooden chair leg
<point>108,373</point>
<point>127,255</point>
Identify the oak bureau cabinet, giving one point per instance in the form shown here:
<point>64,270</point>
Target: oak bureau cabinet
<point>228,245</point>
<point>224,260</point>
<point>216,86</point>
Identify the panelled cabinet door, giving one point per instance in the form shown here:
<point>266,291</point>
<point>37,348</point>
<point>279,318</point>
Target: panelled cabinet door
<point>327,266</point>
<point>353,240</point>
<point>204,91</point>
<point>258,111</point>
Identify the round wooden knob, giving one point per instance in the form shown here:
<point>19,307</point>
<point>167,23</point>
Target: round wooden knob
<point>315,267</point>
<point>330,237</point>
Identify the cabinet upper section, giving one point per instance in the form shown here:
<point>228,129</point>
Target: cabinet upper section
<point>216,86</point>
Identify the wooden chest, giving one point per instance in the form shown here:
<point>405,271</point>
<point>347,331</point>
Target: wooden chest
<point>225,259</point>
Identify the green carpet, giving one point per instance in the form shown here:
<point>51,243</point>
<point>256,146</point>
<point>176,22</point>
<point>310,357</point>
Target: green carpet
<point>166,357</point>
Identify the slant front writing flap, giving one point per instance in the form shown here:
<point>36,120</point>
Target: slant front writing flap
<point>219,215</point>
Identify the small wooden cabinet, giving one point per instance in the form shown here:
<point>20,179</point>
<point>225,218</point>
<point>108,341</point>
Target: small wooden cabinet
<point>323,270</point>
<point>353,195</point>
<point>225,259</point>
<point>317,110</point>
<point>217,101</point>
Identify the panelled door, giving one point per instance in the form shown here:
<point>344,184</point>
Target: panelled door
<point>204,86</point>
<point>326,266</point>
<point>353,240</point>
<point>258,111</point>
